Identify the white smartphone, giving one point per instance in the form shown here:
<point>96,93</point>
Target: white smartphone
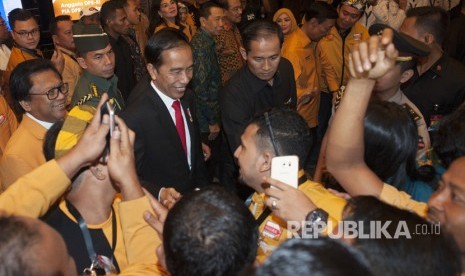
<point>111,112</point>
<point>286,169</point>
<point>108,108</point>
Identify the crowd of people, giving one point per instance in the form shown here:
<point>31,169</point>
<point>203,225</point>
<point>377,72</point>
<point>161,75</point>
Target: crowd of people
<point>145,144</point>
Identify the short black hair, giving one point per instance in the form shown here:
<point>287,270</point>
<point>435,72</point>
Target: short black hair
<point>165,39</point>
<point>414,252</point>
<point>125,2</point>
<point>449,140</point>
<point>19,15</point>
<point>21,79</point>
<point>223,3</point>
<point>54,22</point>
<point>291,132</point>
<point>108,10</point>
<point>433,20</point>
<point>209,232</point>
<point>322,256</point>
<point>321,11</point>
<point>261,29</point>
<point>205,9</point>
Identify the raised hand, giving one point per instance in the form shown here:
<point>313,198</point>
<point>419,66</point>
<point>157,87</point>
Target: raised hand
<point>82,154</point>
<point>374,58</point>
<point>169,197</point>
<point>156,221</point>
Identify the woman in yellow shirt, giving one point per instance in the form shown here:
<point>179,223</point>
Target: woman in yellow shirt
<point>286,20</point>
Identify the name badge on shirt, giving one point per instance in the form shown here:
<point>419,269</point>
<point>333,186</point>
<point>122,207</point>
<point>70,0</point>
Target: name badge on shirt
<point>272,230</point>
<point>357,36</point>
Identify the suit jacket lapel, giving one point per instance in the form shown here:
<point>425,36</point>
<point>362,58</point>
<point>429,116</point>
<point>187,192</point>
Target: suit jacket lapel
<point>189,118</point>
<point>190,124</point>
<point>166,122</point>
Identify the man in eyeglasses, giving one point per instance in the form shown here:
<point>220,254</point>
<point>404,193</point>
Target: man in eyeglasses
<point>39,94</point>
<point>26,35</point>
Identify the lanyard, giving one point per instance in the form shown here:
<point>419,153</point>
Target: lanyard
<point>86,233</point>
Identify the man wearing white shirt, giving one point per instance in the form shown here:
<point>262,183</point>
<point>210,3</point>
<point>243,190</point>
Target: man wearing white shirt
<point>39,94</point>
<point>160,110</point>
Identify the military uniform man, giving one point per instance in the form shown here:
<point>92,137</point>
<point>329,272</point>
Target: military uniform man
<point>96,57</point>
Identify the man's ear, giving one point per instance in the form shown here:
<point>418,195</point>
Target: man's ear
<point>265,161</point>
<point>243,53</point>
<point>108,22</point>
<point>82,62</point>
<point>26,105</point>
<point>97,172</point>
<point>202,21</point>
<point>406,75</point>
<point>429,39</point>
<point>152,71</point>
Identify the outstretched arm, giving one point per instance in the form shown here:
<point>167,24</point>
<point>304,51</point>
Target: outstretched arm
<point>345,151</point>
<point>34,193</point>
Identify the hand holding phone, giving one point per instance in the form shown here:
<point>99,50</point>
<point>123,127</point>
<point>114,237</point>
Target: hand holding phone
<point>286,169</point>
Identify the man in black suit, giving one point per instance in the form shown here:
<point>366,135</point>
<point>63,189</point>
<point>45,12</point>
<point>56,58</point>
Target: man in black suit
<point>168,153</point>
<point>265,82</point>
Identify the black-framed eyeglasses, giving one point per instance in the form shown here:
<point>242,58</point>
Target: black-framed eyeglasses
<point>270,130</point>
<point>25,34</point>
<point>53,93</point>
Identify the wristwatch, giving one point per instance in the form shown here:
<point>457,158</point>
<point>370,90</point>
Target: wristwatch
<point>317,216</point>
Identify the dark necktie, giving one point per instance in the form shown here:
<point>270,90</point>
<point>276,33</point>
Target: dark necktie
<point>180,124</point>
